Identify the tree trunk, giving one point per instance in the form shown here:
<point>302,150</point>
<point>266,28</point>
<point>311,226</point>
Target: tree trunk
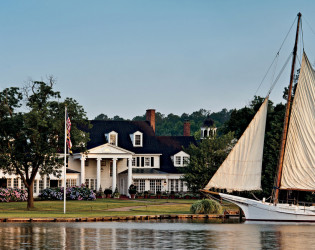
<point>30,198</point>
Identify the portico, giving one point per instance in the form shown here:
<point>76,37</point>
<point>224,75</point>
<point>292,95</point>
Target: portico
<point>103,164</point>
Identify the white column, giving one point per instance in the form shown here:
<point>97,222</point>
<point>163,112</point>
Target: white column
<point>114,174</point>
<point>129,182</point>
<point>45,181</point>
<point>82,170</point>
<point>12,182</point>
<point>98,173</point>
<point>19,183</point>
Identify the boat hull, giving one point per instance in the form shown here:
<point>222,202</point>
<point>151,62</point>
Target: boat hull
<point>264,211</point>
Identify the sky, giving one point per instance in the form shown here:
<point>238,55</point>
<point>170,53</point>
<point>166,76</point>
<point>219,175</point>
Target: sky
<point>176,56</point>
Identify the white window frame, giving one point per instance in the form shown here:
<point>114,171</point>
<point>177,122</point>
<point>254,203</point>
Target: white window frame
<point>133,136</point>
<point>113,133</point>
<point>147,161</point>
<point>178,159</point>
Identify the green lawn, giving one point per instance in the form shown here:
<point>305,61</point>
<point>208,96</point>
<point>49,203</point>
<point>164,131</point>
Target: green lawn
<point>97,208</point>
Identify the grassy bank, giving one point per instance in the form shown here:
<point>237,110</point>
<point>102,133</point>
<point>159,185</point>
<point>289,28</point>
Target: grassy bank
<point>97,208</point>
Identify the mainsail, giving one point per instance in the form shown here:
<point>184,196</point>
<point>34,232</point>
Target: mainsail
<point>299,158</point>
<point>241,170</point>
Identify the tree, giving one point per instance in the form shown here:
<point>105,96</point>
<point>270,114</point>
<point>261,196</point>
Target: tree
<point>205,158</point>
<point>31,141</point>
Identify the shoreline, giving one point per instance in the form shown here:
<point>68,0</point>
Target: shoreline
<point>119,218</point>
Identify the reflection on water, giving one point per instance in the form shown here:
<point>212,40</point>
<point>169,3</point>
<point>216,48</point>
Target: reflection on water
<point>178,234</point>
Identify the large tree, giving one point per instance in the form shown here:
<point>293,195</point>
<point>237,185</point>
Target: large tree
<point>205,158</point>
<point>32,131</point>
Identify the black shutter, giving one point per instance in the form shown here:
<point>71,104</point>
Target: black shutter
<point>138,161</point>
<point>127,162</point>
<point>142,161</point>
<point>152,161</point>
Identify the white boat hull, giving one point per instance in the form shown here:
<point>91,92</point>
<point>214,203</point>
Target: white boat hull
<point>264,211</point>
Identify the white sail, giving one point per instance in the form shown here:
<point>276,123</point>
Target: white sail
<point>299,157</point>
<point>241,170</point>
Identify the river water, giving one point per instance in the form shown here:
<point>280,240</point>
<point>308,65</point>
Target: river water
<point>168,234</point>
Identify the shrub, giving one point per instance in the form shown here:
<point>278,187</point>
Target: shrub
<point>206,206</point>
<point>132,189</point>
<point>72,193</point>
<point>12,194</point>
<point>108,191</point>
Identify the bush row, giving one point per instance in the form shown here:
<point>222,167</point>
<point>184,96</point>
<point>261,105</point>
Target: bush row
<point>72,193</point>
<point>12,194</point>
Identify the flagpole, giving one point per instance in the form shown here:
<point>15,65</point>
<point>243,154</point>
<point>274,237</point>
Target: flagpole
<point>65,162</point>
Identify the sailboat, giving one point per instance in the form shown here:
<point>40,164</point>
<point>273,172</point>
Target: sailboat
<point>242,169</point>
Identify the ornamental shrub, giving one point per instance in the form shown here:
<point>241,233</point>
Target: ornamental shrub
<point>72,193</point>
<point>206,206</point>
<point>12,194</point>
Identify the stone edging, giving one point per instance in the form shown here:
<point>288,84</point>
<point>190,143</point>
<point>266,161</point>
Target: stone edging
<point>116,218</point>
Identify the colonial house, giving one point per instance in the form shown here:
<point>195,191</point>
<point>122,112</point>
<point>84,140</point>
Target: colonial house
<point>121,153</point>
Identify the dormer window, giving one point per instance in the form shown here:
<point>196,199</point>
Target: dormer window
<point>112,138</point>
<point>181,159</point>
<point>137,139</point>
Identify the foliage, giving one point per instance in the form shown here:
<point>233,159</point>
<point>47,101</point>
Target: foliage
<point>116,194</point>
<point>12,194</point>
<point>72,193</point>
<point>132,189</point>
<point>30,141</point>
<point>205,159</point>
<point>206,206</point>
<point>108,191</point>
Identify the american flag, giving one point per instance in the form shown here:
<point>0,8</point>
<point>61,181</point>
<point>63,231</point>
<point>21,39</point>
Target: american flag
<point>68,134</point>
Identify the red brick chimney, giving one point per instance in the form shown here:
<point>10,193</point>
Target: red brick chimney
<point>186,128</point>
<point>150,117</point>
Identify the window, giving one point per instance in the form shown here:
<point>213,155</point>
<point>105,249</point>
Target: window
<point>71,182</point>
<point>112,139</point>
<point>176,185</point>
<point>134,162</point>
<point>171,185</point>
<point>15,183</point>
<point>185,160</point>
<point>103,163</point>
<point>181,185</point>
<point>41,185</point>
<point>178,160</point>
<point>137,140</point>
<point>141,185</point>
<point>22,185</point>
<point>147,161</point>
<point>152,186</point>
<point>47,182</point>
<point>90,183</point>
<point>155,185</point>
<point>9,182</point>
<point>35,186</point>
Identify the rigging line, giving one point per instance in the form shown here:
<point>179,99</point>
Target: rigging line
<point>277,55</point>
<point>280,73</point>
<point>309,25</point>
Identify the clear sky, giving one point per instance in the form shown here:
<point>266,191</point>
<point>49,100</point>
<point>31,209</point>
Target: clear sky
<point>122,57</point>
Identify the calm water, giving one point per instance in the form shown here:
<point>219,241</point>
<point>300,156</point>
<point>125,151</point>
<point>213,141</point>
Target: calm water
<point>175,234</point>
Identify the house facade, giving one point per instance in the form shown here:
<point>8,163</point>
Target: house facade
<point>121,153</point>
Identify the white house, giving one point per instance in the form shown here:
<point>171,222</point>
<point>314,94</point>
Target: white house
<point>121,153</point>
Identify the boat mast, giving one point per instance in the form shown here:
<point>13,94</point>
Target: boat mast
<point>287,112</point>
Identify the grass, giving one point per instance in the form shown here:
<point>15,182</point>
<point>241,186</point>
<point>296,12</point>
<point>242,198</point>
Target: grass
<point>97,208</point>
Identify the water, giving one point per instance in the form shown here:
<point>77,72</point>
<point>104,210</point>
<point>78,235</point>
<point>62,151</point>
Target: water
<point>171,234</point>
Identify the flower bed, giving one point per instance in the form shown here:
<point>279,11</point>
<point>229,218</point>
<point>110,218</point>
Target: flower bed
<point>12,194</point>
<point>72,193</point>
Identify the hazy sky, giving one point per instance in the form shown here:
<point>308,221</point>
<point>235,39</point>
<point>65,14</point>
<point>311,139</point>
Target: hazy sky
<point>123,57</point>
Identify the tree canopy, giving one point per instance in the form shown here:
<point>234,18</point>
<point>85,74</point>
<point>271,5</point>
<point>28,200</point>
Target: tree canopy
<point>32,131</point>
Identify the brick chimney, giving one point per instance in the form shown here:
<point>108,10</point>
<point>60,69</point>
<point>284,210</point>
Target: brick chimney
<point>150,117</point>
<point>186,128</point>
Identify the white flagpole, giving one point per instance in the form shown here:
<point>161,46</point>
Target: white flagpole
<point>65,162</point>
